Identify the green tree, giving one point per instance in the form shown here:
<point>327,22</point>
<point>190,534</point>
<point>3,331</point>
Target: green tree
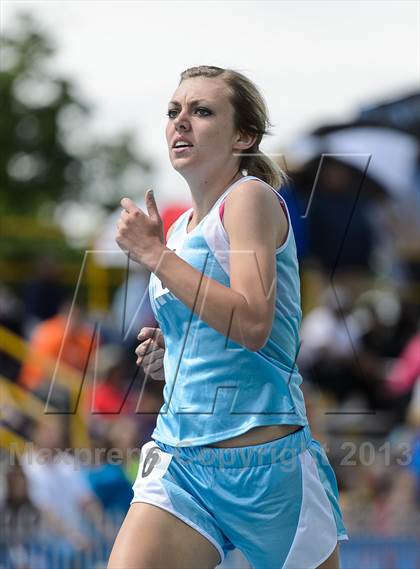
<point>47,154</point>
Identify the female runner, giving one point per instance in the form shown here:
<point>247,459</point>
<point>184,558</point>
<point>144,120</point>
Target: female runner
<point>233,462</point>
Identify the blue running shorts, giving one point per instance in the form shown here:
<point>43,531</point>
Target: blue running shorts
<point>277,502</point>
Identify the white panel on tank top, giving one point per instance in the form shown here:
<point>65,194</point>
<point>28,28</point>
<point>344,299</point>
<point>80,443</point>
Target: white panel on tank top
<point>216,237</point>
<point>175,242</point>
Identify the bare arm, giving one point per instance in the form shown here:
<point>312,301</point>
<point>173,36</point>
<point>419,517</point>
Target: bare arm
<point>244,312</point>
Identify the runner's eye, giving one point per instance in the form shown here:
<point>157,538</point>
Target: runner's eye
<point>203,112</point>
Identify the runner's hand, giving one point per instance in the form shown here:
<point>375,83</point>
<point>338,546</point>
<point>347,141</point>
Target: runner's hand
<point>150,352</point>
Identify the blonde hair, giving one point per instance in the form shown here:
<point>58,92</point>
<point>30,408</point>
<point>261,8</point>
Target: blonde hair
<point>250,116</point>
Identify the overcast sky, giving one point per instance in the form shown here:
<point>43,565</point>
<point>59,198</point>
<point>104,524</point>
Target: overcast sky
<point>316,62</point>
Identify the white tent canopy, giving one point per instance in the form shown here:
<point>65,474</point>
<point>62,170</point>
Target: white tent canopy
<point>392,153</point>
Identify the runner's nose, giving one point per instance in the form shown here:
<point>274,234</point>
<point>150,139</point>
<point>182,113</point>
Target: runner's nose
<point>182,122</point>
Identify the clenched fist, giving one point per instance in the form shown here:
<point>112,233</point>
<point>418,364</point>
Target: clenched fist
<point>140,235</point>
<point>150,352</point>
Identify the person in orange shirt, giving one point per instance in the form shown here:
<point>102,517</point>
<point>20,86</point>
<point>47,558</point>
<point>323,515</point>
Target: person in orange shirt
<point>65,338</point>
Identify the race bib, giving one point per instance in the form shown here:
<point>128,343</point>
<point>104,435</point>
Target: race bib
<point>153,462</point>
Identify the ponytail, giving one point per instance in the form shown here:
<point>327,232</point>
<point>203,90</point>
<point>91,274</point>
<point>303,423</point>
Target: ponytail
<point>263,167</point>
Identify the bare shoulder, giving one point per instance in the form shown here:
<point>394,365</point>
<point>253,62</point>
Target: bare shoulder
<point>252,206</point>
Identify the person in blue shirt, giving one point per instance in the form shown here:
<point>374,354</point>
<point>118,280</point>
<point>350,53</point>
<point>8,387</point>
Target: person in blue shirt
<point>232,463</point>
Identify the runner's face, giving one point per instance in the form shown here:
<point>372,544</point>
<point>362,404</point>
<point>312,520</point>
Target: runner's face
<point>201,114</point>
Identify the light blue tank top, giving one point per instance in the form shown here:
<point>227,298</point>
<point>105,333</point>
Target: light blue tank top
<point>216,389</point>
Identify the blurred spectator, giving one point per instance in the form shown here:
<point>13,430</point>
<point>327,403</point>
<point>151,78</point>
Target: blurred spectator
<point>43,293</point>
<point>413,411</point>
<point>113,391</point>
<point>339,226</point>
<point>23,534</point>
<point>130,433</point>
<point>414,467</point>
<point>56,484</point>
<point>404,375</point>
<point>330,336</point>
<point>296,205</point>
<point>20,517</point>
<point>330,328</point>
<point>65,337</point>
<point>389,322</point>
<point>11,317</point>
<point>130,309</point>
<point>106,473</point>
<point>406,369</point>
<point>332,354</point>
<point>125,435</point>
